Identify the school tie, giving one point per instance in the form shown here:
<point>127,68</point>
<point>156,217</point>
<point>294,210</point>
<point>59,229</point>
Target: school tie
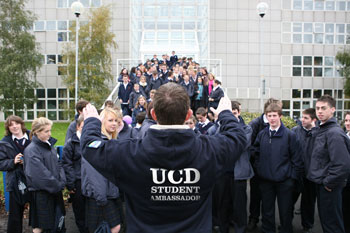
<point>272,133</point>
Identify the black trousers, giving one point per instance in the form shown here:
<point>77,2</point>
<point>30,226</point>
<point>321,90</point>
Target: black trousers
<point>125,109</point>
<point>78,204</point>
<point>239,205</point>
<point>308,202</point>
<point>329,206</point>
<point>222,205</point>
<point>255,199</point>
<point>15,220</point>
<point>283,191</point>
<point>346,208</point>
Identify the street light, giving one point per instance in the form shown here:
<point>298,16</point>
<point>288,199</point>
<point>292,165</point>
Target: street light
<point>77,9</point>
<point>262,8</point>
<point>339,68</point>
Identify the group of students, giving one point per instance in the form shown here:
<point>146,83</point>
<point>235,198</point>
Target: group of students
<point>199,163</point>
<point>202,87</point>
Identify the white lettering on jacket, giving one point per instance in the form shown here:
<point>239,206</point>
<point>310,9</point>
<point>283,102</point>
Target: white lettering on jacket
<point>185,176</point>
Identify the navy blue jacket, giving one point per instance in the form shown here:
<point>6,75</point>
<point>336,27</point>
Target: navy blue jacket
<point>71,161</point>
<point>277,157</point>
<point>257,125</point>
<point>216,95</point>
<point>42,168</point>
<point>124,93</point>
<point>302,136</point>
<point>154,84</point>
<point>134,97</point>
<point>204,130</point>
<point>168,176</point>
<point>189,88</point>
<point>146,124</point>
<point>328,160</point>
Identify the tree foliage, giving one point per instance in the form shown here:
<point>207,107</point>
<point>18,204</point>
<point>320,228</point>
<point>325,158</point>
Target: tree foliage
<point>96,42</point>
<point>19,57</point>
<point>344,58</point>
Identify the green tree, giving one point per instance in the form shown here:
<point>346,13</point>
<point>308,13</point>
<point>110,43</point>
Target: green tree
<point>19,57</point>
<point>96,42</point>
<point>344,58</point>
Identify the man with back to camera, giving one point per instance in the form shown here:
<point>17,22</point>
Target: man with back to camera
<point>168,175</point>
<point>328,165</point>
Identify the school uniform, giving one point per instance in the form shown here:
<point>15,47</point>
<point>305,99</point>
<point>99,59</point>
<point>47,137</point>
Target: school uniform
<point>328,165</point>
<point>46,180</point>
<point>203,127</point>
<point>161,196</point>
<point>10,146</point>
<point>216,94</point>
<point>278,163</point>
<point>124,94</point>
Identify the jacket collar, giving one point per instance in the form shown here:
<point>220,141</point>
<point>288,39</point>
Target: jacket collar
<point>37,141</point>
<point>279,132</point>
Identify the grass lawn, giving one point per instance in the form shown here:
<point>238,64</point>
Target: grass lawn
<point>58,132</point>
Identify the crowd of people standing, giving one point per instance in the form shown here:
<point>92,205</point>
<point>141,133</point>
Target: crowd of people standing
<point>133,176</point>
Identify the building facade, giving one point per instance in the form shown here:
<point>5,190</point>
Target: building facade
<point>297,39</point>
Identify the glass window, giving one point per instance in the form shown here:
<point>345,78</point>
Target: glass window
<point>52,115</point>
<point>296,60</point>
<point>62,104</point>
<point>348,6</point>
<point>318,72</point>
<point>329,28</point>
<point>340,28</point>
<point>40,114</point>
<point>163,35</point>
<point>318,38</point>
<point>346,104</point>
<point>30,115</point>
<point>39,26</point>
<point>176,25</point>
<point>189,35</point>
<point>286,104</point>
<point>296,71</point>
<point>51,93</point>
<point>296,38</point>
<point>62,93</point>
<point>149,11</point>
<point>307,71</point>
<point>340,39</point>
<point>50,59</point>
<point>62,36</point>
<point>149,25</point>
<point>296,114</point>
<point>297,27</point>
<point>296,93</point>
<point>40,104</point>
<point>308,5</point>
<point>176,11</point>
<point>329,39</point>
<point>327,92</point>
<point>297,4</point>
<point>308,38</point>
<point>318,61</point>
<point>163,25</point>
<point>307,61</point>
<point>40,93</point>
<point>51,25</point>
<point>149,35</point>
<point>319,27</point>
<point>163,11</point>
<point>328,61</point>
<point>95,3</point>
<point>29,93</point>
<point>189,25</point>
<point>62,3</point>
<point>307,27</point>
<point>348,27</point>
<point>340,6</point>
<point>62,25</point>
<point>189,11</point>
<point>328,72</point>
<point>30,106</point>
<point>62,116</point>
<point>70,2</point>
<point>317,93</point>
<point>85,3</point>
<point>348,39</point>
<point>176,35</point>
<point>176,42</point>
<point>306,93</point>
<point>296,104</point>
<point>306,104</point>
<point>319,5</point>
<point>330,6</point>
<point>51,104</point>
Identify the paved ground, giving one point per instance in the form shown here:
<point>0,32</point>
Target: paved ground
<point>71,227</point>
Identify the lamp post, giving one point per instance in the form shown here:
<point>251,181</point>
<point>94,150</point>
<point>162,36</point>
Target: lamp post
<point>339,68</point>
<point>77,9</point>
<point>262,8</point>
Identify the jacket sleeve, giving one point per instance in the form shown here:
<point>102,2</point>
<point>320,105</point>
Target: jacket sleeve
<point>255,150</point>
<point>131,100</point>
<point>67,164</point>
<point>191,91</point>
<point>70,131</point>
<point>295,151</point>
<point>7,162</point>
<point>38,175</point>
<point>229,143</point>
<point>339,168</point>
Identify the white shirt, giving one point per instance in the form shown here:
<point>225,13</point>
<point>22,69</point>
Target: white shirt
<point>25,136</point>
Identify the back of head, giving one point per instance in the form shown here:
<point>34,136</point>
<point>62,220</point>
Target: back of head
<point>39,124</point>
<point>81,104</point>
<point>270,101</point>
<point>140,117</point>
<point>235,105</point>
<point>171,104</point>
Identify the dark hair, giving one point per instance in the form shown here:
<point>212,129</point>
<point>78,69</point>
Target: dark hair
<point>311,112</point>
<point>346,113</point>
<point>16,119</point>
<point>171,104</point>
<point>81,104</point>
<point>217,82</point>
<point>235,105</point>
<point>121,72</point>
<point>109,103</point>
<point>201,111</point>
<point>140,117</point>
<point>327,99</point>
<point>274,107</point>
<point>79,120</point>
<point>272,101</point>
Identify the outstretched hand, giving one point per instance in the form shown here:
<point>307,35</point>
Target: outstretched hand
<point>224,104</point>
<point>90,111</point>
